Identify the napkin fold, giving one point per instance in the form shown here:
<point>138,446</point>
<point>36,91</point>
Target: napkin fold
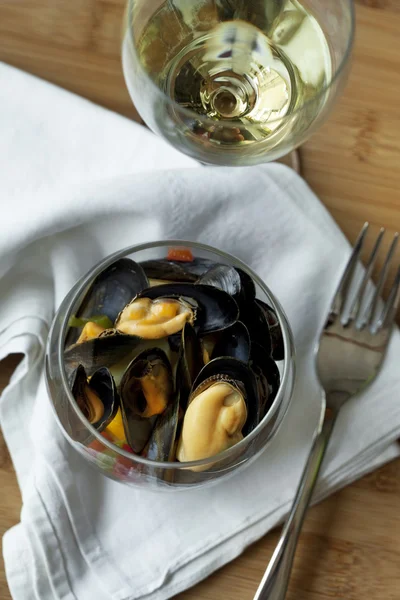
<point>78,182</point>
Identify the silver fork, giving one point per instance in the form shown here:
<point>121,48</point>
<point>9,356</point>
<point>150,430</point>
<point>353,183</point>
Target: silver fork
<point>349,355</point>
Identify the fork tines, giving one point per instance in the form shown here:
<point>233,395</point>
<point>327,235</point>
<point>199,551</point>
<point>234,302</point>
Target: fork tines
<point>371,315</point>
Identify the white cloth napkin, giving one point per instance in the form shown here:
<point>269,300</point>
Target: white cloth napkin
<point>75,185</point>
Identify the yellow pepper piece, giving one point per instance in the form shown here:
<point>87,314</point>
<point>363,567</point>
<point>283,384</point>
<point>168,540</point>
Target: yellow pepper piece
<point>116,428</point>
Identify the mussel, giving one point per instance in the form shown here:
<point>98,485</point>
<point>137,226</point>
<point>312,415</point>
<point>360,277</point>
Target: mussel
<point>97,398</point>
<point>105,298</point>
<point>223,277</point>
<point>191,357</point>
<point>113,289</point>
<point>256,322</point>
<point>146,390</point>
<point>155,319</point>
<point>178,271</point>
<point>163,310</point>
<point>221,407</point>
<point>108,294</point>
<point>213,421</point>
<point>277,346</point>
<point>267,376</point>
<point>232,369</point>
<point>162,441</point>
<point>248,289</point>
<point>233,281</point>
<point>189,364</point>
<point>234,342</point>
<point>105,350</point>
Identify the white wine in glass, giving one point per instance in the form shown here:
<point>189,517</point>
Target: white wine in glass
<point>236,82</point>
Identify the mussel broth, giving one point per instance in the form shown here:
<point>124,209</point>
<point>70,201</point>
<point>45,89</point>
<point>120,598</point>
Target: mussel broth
<point>190,353</point>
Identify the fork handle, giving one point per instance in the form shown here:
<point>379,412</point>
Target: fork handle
<point>275,582</point>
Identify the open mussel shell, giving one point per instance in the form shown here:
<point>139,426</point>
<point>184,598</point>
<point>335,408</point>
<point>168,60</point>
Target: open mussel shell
<point>162,442</point>
<point>228,368</point>
<point>277,345</point>
<point>223,277</point>
<point>190,363</point>
<point>175,341</point>
<point>214,420</point>
<point>173,270</point>
<point>233,281</point>
<point>113,289</point>
<point>155,319</point>
<point>137,429</point>
<point>257,325</point>
<point>248,289</point>
<point>235,342</point>
<point>97,399</point>
<point>267,376</point>
<point>146,390</point>
<point>214,310</point>
<point>106,350</point>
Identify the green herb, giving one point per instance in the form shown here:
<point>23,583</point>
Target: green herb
<point>101,320</point>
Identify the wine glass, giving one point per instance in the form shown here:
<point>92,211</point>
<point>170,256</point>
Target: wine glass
<point>236,82</point>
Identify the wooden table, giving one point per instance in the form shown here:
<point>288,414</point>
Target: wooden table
<point>350,548</point>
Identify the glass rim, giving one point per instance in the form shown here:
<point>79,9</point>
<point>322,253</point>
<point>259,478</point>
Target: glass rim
<point>216,458</point>
<point>238,124</point>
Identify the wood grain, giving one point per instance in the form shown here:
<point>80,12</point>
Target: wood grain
<point>10,503</point>
<point>350,548</point>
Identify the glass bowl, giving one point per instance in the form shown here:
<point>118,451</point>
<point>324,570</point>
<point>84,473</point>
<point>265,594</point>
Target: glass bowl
<point>121,465</point>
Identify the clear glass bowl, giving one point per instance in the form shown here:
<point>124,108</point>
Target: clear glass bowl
<point>120,465</point>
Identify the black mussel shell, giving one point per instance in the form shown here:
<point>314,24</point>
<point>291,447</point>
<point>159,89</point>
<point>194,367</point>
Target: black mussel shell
<point>102,384</point>
<point>235,342</point>
<point>232,280</point>
<point>277,345</point>
<point>190,363</point>
<point>173,270</point>
<point>113,289</point>
<point>208,343</point>
<point>254,318</point>
<point>223,277</point>
<point>152,363</point>
<point>174,341</point>
<point>248,289</point>
<point>137,429</point>
<point>161,445</point>
<point>231,368</point>
<point>215,309</point>
<point>267,376</point>
<point>106,350</point>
